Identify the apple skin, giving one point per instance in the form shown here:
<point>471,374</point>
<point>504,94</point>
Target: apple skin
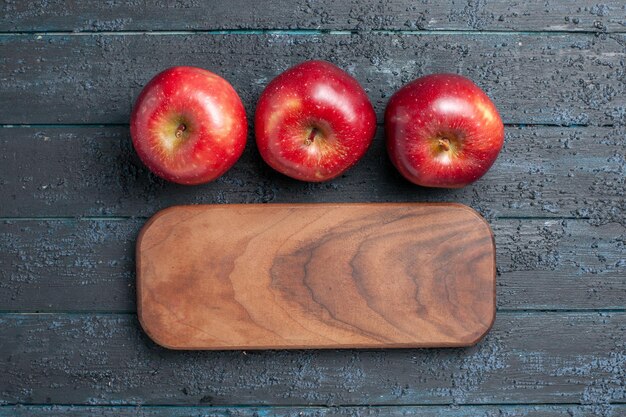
<point>313,122</point>
<point>442,131</point>
<point>188,125</point>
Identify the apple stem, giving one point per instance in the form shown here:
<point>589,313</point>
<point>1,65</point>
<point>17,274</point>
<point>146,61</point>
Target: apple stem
<point>179,130</point>
<point>444,143</point>
<point>311,137</point>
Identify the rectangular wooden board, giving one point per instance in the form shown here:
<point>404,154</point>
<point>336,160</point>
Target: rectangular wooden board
<point>299,276</point>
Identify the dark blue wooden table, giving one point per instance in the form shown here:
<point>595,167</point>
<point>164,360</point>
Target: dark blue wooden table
<point>73,196</point>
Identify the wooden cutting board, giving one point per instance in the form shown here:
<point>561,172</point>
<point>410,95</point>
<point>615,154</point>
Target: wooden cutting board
<point>293,276</point>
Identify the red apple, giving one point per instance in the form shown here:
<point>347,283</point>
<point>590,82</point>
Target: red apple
<point>313,122</point>
<point>188,125</point>
<point>442,131</point>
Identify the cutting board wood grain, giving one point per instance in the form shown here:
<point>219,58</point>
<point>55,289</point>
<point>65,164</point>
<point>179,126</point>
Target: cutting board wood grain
<point>299,276</point>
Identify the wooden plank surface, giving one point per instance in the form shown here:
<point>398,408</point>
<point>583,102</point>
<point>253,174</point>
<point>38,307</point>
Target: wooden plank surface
<point>88,265</point>
<point>316,276</point>
<point>106,359</point>
<point>384,411</point>
<point>93,171</point>
<point>554,79</point>
<point>555,199</point>
<point>535,15</point>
